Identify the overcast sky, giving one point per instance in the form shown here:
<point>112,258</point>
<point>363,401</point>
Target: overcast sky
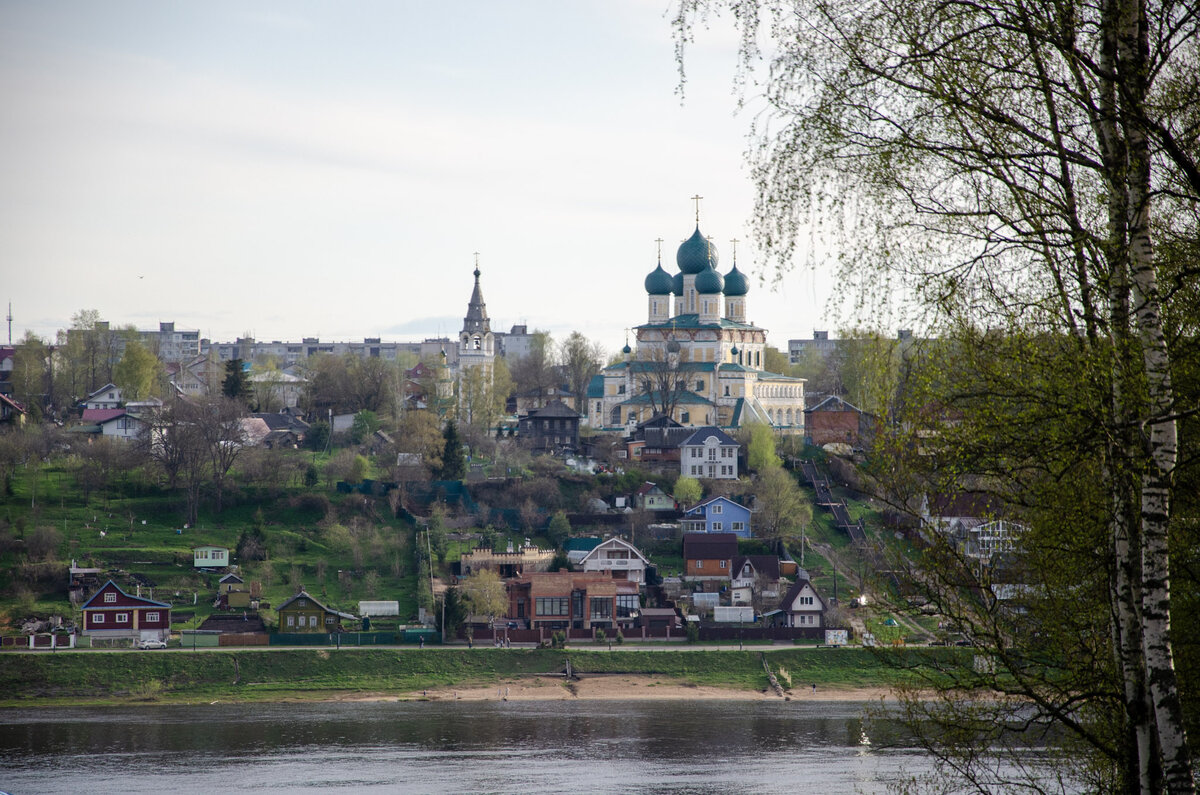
<point>327,169</point>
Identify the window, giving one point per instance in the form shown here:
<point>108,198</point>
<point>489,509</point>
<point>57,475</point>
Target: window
<point>716,527</point>
<point>97,618</point>
<point>736,526</point>
<point>110,598</point>
<point>699,564</point>
<point>551,605</point>
<point>620,389</point>
<point>152,617</point>
<point>291,620</point>
<point>302,603</point>
<point>626,605</point>
<point>718,508</point>
<point>122,618</point>
<point>684,418</point>
<point>599,406</point>
<point>721,565</point>
<point>699,386</point>
<point>601,607</point>
<point>312,621</point>
<point>329,619</point>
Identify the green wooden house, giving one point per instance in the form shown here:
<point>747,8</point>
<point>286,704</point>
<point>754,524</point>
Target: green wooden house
<point>302,613</point>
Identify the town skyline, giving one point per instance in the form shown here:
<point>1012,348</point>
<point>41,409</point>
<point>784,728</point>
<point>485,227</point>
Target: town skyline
<point>293,170</point>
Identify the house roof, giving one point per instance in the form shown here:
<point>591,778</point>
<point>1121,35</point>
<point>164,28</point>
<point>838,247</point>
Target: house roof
<point>704,434</point>
<point>798,586</point>
<point>94,416</point>
<point>321,607</point>
<point>280,421</point>
<point>104,388</point>
<point>581,544</point>
<point>683,399</point>
<point>692,321</point>
<point>615,543</point>
<point>834,403</point>
<point>595,387</point>
<point>208,546</point>
<point>660,421</point>
<point>765,565</point>
<point>140,600</point>
<point>649,488</point>
<point>230,577</point>
<point>555,408</point>
<point>709,546</point>
<point>5,399</point>
<point>719,498</point>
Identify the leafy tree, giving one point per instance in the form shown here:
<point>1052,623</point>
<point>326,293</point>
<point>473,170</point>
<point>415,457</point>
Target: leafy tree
<point>760,448</point>
<point>484,594</point>
<point>420,433</point>
<point>311,476</point>
<point>454,463</point>
<point>687,491</point>
<point>30,373</point>
<point>559,529</point>
<point>359,469</point>
<point>439,542</point>
<point>138,373</point>
<point>1012,164</point>
<point>775,360</point>
<point>782,509</point>
<point>365,423</point>
<point>235,385</point>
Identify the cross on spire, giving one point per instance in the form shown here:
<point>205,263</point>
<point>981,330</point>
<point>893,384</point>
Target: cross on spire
<point>734,242</point>
<point>659,241</point>
<point>697,199</point>
<point>476,265</point>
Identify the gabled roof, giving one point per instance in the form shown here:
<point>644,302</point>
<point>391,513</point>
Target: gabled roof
<point>14,405</point>
<point>611,543</point>
<point>704,434</point>
<point>555,408</point>
<point>709,546</point>
<point>649,488</point>
<point>764,565</point>
<point>140,601</point>
<point>794,591</point>
<point>659,420</point>
<point>835,403</point>
<point>581,544</point>
<point>719,498</point>
<point>318,605</point>
<point>230,577</point>
<point>101,415</point>
<point>104,388</point>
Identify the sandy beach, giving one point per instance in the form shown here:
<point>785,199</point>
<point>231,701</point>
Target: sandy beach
<point>615,687</point>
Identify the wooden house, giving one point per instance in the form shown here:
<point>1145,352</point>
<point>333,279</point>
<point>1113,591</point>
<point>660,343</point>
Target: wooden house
<point>302,613</point>
<point>717,515</point>
<point>210,557</point>
<point>709,556</point>
<point>112,613</point>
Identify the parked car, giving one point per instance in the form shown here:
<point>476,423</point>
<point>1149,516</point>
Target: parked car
<point>152,644</point>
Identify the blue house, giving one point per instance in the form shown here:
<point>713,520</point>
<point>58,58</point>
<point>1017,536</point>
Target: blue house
<point>717,515</point>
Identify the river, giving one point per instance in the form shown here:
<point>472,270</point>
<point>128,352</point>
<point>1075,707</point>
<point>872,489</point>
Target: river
<point>452,747</point>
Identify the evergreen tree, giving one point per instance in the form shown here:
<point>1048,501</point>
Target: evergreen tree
<point>454,464</point>
<point>235,384</point>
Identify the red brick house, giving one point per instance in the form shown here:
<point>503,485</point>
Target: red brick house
<point>112,613</point>
<point>573,599</point>
<point>834,420</point>
<point>709,556</point>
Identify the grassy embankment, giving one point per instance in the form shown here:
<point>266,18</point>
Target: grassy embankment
<point>180,677</point>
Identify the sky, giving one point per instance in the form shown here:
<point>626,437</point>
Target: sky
<point>292,169</point>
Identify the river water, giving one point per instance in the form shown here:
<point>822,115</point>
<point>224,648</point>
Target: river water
<point>452,747</point>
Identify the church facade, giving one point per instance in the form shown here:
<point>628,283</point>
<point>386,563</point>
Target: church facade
<point>697,359</point>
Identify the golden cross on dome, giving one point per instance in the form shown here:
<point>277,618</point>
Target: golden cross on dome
<point>659,241</point>
<point>734,242</point>
<point>697,199</point>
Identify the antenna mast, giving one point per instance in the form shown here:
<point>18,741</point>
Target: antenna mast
<point>10,322</point>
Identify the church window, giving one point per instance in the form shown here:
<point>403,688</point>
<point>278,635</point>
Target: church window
<point>476,343</point>
<point>685,417</point>
<point>727,390</point>
<point>699,386</point>
<point>620,389</point>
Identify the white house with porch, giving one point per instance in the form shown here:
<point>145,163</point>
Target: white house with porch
<point>620,557</point>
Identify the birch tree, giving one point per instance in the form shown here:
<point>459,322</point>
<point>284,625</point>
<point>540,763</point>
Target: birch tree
<point>1026,173</point>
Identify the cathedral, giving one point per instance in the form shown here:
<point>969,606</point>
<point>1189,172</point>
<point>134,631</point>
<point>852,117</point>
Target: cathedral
<point>697,358</point>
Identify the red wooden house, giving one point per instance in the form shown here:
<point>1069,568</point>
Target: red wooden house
<point>112,613</point>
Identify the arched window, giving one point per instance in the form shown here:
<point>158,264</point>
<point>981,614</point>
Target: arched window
<point>476,343</point>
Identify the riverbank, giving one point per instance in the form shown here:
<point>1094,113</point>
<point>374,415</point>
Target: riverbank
<point>242,675</point>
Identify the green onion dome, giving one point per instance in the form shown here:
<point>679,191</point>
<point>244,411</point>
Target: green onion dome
<point>677,284</point>
<point>708,282</point>
<point>659,282</point>
<point>736,283</point>
<point>696,253</point>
